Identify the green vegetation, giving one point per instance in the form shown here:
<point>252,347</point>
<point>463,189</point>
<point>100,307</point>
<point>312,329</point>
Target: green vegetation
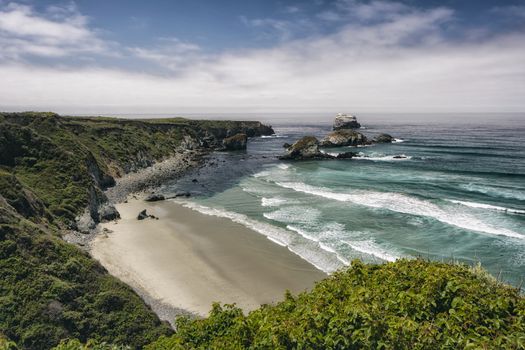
<point>409,304</point>
<point>51,169</point>
<point>52,294</point>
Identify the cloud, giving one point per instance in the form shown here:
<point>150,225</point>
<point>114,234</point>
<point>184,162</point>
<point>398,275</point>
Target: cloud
<point>64,31</point>
<point>389,57</point>
<point>510,11</point>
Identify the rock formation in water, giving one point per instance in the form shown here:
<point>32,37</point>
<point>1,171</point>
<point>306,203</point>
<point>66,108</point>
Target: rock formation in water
<point>345,121</point>
<point>308,148</point>
<point>383,138</point>
<point>343,137</point>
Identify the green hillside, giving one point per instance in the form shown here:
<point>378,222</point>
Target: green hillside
<point>51,169</point>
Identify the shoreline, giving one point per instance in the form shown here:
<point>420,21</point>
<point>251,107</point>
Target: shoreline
<point>184,261</point>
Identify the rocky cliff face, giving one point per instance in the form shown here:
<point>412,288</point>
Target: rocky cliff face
<point>89,153</point>
<point>235,142</point>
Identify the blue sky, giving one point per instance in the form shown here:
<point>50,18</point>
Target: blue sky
<point>198,56</point>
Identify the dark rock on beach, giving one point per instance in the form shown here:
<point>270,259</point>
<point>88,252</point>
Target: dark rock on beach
<point>108,212</point>
<point>154,197</point>
<point>142,215</point>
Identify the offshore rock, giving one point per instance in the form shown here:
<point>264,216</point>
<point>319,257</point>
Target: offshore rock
<point>383,138</point>
<point>307,148</point>
<point>343,137</point>
<point>345,121</point>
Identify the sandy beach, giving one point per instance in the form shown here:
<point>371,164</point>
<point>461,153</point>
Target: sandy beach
<point>187,260</point>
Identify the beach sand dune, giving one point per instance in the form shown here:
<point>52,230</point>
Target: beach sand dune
<point>188,260</point>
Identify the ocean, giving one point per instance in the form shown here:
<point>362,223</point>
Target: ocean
<point>458,193</point>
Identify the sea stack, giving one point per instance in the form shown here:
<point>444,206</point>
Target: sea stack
<point>345,121</point>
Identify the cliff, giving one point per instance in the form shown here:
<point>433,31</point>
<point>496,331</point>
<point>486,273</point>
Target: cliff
<point>53,171</point>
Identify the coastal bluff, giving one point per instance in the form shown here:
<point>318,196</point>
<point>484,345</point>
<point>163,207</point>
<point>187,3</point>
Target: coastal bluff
<point>54,175</point>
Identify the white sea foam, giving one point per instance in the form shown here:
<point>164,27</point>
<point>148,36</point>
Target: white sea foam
<point>404,204</point>
<point>294,215</point>
<point>487,206</point>
<point>272,202</point>
<point>274,136</point>
<point>283,166</point>
<point>398,141</point>
<point>327,248</point>
<point>371,248</point>
<point>269,231</point>
<point>383,158</point>
<point>494,191</point>
<point>307,250</point>
<point>275,240</point>
<point>263,173</point>
<point>302,233</point>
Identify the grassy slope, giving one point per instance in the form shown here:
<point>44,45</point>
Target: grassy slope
<point>51,167</point>
<point>402,305</point>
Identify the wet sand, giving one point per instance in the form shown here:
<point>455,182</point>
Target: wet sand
<point>188,260</point>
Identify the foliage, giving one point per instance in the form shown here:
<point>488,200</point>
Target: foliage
<point>408,304</point>
<point>75,344</point>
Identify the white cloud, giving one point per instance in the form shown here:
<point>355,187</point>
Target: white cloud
<point>400,60</point>
<point>63,32</point>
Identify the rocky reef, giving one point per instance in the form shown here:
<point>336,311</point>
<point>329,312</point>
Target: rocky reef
<point>345,121</point>
<point>307,148</point>
<point>343,137</point>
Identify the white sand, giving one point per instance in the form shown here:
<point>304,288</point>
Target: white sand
<point>188,260</point>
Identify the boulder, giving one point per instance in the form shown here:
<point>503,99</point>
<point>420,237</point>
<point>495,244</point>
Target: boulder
<point>345,121</point>
<point>154,197</point>
<point>383,138</point>
<point>343,137</point>
<point>108,212</point>
<point>235,142</point>
<point>142,215</point>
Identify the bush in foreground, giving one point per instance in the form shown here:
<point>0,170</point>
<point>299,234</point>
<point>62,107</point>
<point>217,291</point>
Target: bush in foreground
<point>408,304</point>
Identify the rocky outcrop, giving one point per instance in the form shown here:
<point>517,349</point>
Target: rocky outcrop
<point>235,142</point>
<point>307,148</point>
<point>383,138</point>
<point>108,212</point>
<point>154,197</point>
<point>345,121</point>
<point>343,137</point>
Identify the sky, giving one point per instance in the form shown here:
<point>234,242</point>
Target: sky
<point>191,56</point>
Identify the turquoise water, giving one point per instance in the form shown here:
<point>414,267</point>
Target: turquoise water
<point>459,194</point>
